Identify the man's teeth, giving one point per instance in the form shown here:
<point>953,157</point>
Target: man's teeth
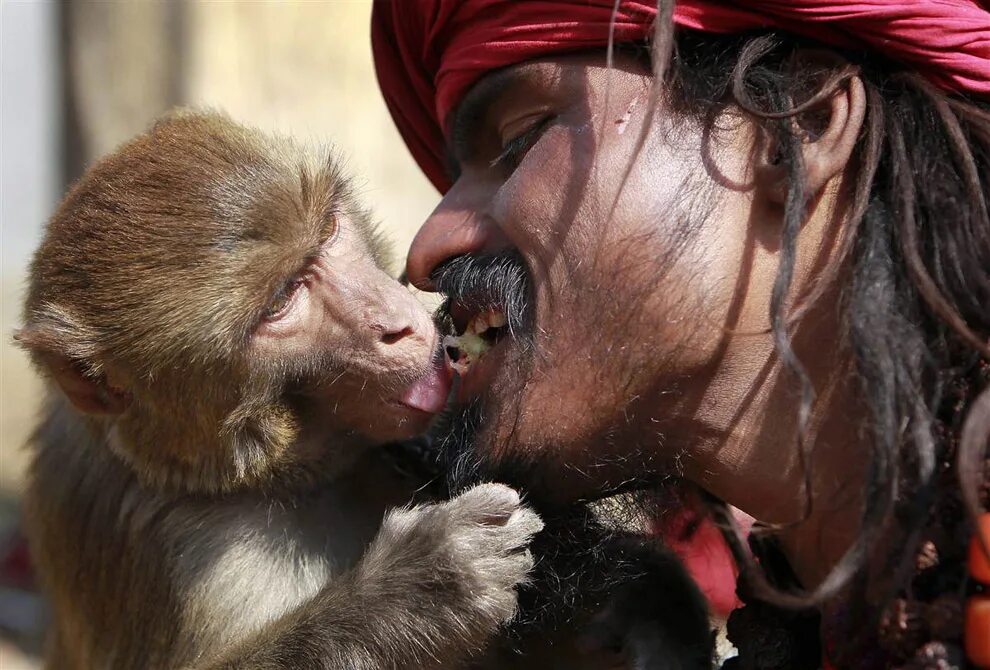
<point>493,318</point>
<point>478,325</point>
<point>466,349</point>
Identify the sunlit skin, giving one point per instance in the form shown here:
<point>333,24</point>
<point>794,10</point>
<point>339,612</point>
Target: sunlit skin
<point>651,320</point>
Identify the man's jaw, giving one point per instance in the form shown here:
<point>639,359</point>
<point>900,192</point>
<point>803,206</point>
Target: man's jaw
<point>467,461</point>
<point>480,442</point>
<point>489,321</point>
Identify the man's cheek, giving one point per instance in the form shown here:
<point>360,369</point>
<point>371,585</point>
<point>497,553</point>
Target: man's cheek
<point>541,201</point>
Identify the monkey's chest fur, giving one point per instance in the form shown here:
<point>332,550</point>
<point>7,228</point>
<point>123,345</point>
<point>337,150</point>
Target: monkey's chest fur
<point>251,561</point>
<point>138,578</point>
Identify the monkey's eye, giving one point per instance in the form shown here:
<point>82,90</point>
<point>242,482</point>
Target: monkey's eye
<point>282,301</point>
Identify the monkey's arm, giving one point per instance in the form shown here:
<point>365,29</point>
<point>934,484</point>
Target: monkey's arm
<point>436,583</point>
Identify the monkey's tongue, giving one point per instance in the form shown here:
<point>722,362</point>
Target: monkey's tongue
<point>429,392</point>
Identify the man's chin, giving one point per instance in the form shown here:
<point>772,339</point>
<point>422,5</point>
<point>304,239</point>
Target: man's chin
<point>580,561</point>
<point>472,453</point>
<point>477,447</point>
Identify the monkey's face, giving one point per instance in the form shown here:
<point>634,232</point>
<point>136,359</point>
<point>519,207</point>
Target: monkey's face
<point>362,351</point>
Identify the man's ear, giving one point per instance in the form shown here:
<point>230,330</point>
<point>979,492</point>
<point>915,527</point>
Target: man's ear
<point>826,150</point>
<point>89,392</point>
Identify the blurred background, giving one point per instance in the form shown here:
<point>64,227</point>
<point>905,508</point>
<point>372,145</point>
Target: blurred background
<point>80,77</point>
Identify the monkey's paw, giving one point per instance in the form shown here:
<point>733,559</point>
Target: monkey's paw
<point>487,537</point>
<point>466,556</point>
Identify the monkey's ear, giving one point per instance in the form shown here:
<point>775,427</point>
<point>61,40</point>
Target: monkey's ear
<point>88,392</point>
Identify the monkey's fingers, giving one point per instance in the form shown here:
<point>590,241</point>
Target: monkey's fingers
<point>487,504</point>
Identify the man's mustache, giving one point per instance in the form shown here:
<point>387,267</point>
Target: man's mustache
<point>479,282</point>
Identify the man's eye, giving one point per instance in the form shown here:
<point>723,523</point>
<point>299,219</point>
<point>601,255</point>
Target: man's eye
<point>282,301</point>
<point>515,149</point>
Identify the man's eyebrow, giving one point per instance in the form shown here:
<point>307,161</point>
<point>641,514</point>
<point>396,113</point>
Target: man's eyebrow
<point>469,116</point>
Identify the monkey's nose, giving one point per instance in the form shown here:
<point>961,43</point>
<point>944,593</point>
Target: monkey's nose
<point>407,344</point>
<point>394,334</point>
<point>402,329</point>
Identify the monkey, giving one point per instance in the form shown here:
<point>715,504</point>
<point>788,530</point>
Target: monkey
<point>226,353</point>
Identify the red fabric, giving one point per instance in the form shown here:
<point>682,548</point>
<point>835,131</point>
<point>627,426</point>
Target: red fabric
<point>429,52</point>
<point>700,545</point>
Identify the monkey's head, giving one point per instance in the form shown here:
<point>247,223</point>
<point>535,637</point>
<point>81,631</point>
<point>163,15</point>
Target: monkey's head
<point>220,303</point>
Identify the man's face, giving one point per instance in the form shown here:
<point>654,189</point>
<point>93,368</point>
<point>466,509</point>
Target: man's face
<point>636,257</point>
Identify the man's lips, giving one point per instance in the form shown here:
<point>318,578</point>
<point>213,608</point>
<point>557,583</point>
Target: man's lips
<point>429,392</point>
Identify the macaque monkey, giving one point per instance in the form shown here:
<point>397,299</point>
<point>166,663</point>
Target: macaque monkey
<point>225,351</point>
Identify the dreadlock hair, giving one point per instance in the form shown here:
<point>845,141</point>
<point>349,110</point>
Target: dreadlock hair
<point>913,276</point>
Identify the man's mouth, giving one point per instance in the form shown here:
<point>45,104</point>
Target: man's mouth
<point>479,333</point>
<point>487,297</point>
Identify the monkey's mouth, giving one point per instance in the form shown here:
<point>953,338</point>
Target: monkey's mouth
<point>429,393</point>
<point>480,333</point>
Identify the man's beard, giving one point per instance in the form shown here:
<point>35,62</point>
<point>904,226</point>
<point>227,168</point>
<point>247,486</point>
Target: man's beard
<point>571,534</point>
<point>588,561</point>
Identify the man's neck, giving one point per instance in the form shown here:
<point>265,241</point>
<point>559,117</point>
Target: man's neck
<point>749,456</point>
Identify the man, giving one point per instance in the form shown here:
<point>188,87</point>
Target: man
<point>746,243</point>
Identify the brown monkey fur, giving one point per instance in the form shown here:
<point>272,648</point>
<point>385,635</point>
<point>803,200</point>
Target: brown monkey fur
<point>203,490</point>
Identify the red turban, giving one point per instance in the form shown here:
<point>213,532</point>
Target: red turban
<point>429,52</point>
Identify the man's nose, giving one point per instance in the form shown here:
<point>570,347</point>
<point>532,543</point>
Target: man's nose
<point>459,225</point>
